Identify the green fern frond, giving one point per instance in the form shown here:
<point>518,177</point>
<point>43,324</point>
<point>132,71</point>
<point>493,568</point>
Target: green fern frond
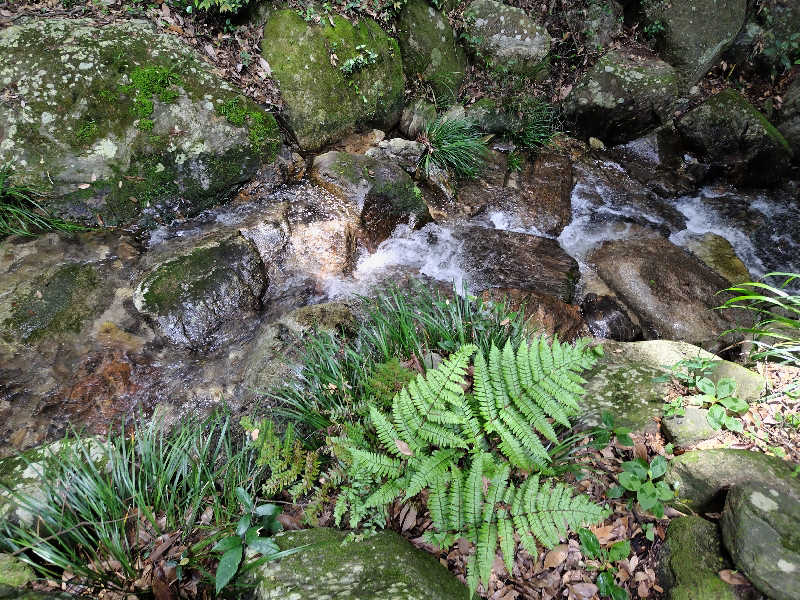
<point>473,493</point>
<point>427,470</point>
<point>505,531</point>
<point>387,434</point>
<point>438,503</point>
<point>456,511</point>
<point>376,464</point>
<point>485,551</point>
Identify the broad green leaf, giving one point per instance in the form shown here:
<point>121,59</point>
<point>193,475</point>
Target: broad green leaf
<point>716,417</point>
<point>624,439</point>
<point>267,510</point>
<point>663,491</point>
<point>227,543</point>
<point>590,545</point>
<point>619,551</point>
<point>726,387</point>
<point>658,466</point>
<point>228,565</point>
<point>629,481</point>
<point>265,546</point>
<point>705,385</point>
<point>615,491</point>
<point>735,404</point>
<point>637,467</point>
<point>243,525</point>
<point>734,424</point>
<point>244,498</point>
<point>251,534</point>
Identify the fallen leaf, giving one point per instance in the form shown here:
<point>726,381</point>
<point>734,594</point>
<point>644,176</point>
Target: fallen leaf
<point>84,186</point>
<point>639,450</point>
<point>583,590</point>
<point>409,519</point>
<point>733,577</point>
<point>404,448</point>
<point>556,556</point>
<point>210,51</point>
<point>265,65</point>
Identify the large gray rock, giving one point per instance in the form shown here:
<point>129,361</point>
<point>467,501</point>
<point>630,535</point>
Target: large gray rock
<point>14,572</point>
<point>689,428</point>
<point>328,98</point>
<point>696,32</point>
<point>717,253</point>
<point>623,96</point>
<point>506,38</point>
<point>790,116</point>
<point>733,137</point>
<point>671,292</point>
<point>381,567</point>
<point>761,531</point>
<point>430,51</point>
<point>122,125</point>
<point>700,477</point>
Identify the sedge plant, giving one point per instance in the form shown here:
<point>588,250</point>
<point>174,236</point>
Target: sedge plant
<point>455,145</point>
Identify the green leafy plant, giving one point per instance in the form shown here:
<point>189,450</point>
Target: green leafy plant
<point>22,214</point>
<point>453,144</point>
<point>386,380</point>
<point>248,542</point>
<point>514,162</point>
<point>289,466</point>
<point>640,477</point>
<point>220,6</point>
<point>471,451</point>
<point>654,29</point>
<point>539,123</point>
<point>86,132</point>
<point>591,549</point>
<point>721,401</point>
<point>674,408</point>
<point>363,58</point>
<point>776,308</point>
<point>689,370</point>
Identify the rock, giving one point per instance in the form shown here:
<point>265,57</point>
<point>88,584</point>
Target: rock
<point>190,296</point>
<point>542,313</point>
<point>381,567</point>
<point>699,477</point>
<point>790,117</point>
<point>672,293</point>
<point>734,138</point>
<point>696,32</point>
<point>600,21</point>
<point>430,51</point>
<point>506,38</point>
<point>415,116</point>
<point>490,117</point>
<point>685,431</point>
<point>325,102</point>
<point>607,319</point>
<point>94,124</point>
<point>360,143</point>
<point>503,259</point>
<point>761,530</point>
<point>12,593</point>
<point>399,151</point>
<point>717,252</point>
<point>623,96</point>
<point>690,562</point>
<point>382,192</point>
<point>14,572</point>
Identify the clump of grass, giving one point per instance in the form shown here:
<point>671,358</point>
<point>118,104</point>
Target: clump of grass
<point>337,379</point>
<point>539,124</point>
<point>106,507</point>
<point>776,333</point>
<point>21,214</point>
<point>453,144</point>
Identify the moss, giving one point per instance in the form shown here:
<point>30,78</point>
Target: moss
<point>87,132</point>
<point>264,135</point>
<point>146,124</point>
<point>57,304</point>
<point>721,104</point>
<point>14,572</point>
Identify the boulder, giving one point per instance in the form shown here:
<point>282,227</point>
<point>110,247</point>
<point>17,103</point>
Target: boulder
<point>689,429</point>
<point>734,138</point>
<point>430,51</point>
<point>381,191</point>
<point>542,313</point>
<point>415,116</point>
<point>399,151</point>
<point>382,566</point>
<point>506,38</point>
<point>690,561</point>
<point>335,77</point>
<point>717,252</point>
<point>761,531</point>
<point>11,593</point>
<point>623,96</point>
<point>191,295</point>
<point>122,125</point>
<point>490,117</point>
<point>695,33</point>
<point>607,319</point>
<point>671,292</point>
<point>790,117</point>
<point>14,572</point>
<point>700,477</point>
<point>601,21</point>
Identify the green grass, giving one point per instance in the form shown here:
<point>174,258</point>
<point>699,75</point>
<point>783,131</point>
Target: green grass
<point>539,124</point>
<point>454,145</point>
<point>107,503</point>
<point>21,214</point>
<point>334,384</point>
<point>776,308</point>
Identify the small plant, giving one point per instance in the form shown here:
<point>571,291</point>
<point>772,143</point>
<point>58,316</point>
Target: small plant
<point>640,477</point>
<point>674,408</point>
<point>605,559</point>
<point>147,82</point>
<point>721,401</point>
<point>514,162</point>
<point>86,132</point>
<point>455,145</point>
<point>221,6</point>
<point>248,541</point>
<point>689,370</point>
<point>246,58</point>
<point>539,124</point>
<point>364,57</point>
<point>387,379</point>
<point>654,29</point>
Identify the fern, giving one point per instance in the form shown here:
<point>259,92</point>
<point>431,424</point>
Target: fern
<point>480,456</point>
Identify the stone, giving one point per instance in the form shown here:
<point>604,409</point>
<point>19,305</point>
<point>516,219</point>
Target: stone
<point>14,572</point>
<point>607,319</point>
<point>381,191</point>
<point>761,531</point>
<point>671,292</point>
<point>429,50</point>
<point>690,561</point>
<point>190,296</point>
<point>12,593</point>
<point>735,139</point>
<point>383,566</point>
<point>541,313</point>
<point>507,38</point>
<point>360,143</point>
<point>327,99</point>
<point>696,32</point>
<point>415,116</point>
<point>600,22</point>
<point>717,253</point>
<point>685,431</point>
<point>93,125</point>
<point>700,477</point>
<point>400,151</point>
<point>490,117</point>
<point>624,95</point>
<point>790,117</point>
<point>495,258</point>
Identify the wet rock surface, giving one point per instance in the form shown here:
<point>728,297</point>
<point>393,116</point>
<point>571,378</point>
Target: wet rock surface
<point>607,319</point>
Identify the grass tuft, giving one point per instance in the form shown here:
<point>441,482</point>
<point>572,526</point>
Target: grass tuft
<point>453,144</point>
<point>539,124</point>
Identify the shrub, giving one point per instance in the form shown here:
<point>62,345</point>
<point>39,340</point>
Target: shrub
<point>453,144</point>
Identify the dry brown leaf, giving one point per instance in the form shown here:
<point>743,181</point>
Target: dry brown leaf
<point>639,450</point>
<point>583,591</point>
<point>733,577</point>
<point>409,518</point>
<point>556,556</point>
<point>404,448</point>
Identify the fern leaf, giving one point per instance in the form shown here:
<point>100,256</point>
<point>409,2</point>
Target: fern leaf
<point>407,420</point>
<point>438,435</point>
<point>512,449</point>
<point>509,368</point>
<point>427,469</point>
<point>522,431</point>
<point>376,464</point>
<point>473,575</point>
<point>387,434</point>
<point>473,493</point>
<point>456,510</point>
<point>485,551</point>
<point>505,530</point>
<point>386,494</point>
<point>484,392</point>
<point>339,508</point>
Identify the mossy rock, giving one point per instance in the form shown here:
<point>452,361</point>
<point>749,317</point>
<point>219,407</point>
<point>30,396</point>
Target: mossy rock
<point>14,572</point>
<point>335,78</point>
<point>380,567</point>
<point>719,254</point>
<point>122,125</point>
<point>733,137</point>
<point>790,117</point>
<point>430,51</point>
<point>690,561</point>
<point>190,296</point>
<point>623,96</point>
<point>695,33</point>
